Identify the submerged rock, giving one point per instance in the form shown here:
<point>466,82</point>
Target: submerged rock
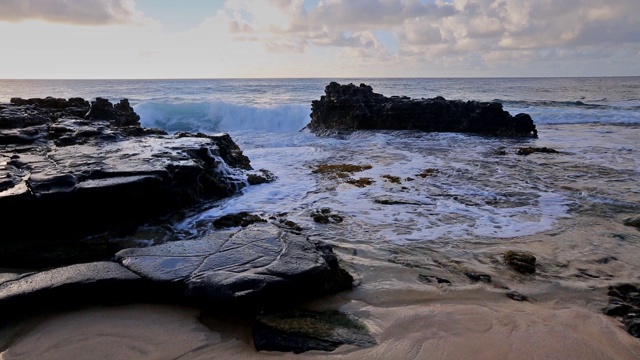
<point>624,302</point>
<point>324,216</point>
<point>302,330</point>
<point>347,108</point>
<point>633,221</point>
<point>478,277</point>
<point>243,219</point>
<point>530,150</point>
<point>516,296</point>
<point>521,262</point>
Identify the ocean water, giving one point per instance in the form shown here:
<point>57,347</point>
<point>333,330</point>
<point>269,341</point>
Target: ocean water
<point>473,193</point>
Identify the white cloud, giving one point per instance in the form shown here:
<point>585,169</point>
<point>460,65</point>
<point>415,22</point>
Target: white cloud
<point>336,38</point>
<point>79,12</point>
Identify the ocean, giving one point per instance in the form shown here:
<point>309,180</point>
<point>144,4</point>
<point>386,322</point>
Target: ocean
<point>471,205</point>
<point>590,118</point>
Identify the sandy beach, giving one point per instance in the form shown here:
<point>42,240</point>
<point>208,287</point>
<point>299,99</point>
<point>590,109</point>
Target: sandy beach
<point>408,318</point>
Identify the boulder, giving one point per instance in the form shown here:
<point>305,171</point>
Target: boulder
<point>346,108</point>
<point>259,265</point>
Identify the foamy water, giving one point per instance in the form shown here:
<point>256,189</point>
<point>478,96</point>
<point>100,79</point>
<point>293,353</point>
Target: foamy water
<point>461,199</point>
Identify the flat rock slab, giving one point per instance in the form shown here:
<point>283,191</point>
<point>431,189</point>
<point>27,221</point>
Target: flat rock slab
<point>68,286</point>
<point>259,264</point>
<point>256,267</point>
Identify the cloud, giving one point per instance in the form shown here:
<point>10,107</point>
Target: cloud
<point>467,32</point>
<point>77,12</point>
<point>338,38</point>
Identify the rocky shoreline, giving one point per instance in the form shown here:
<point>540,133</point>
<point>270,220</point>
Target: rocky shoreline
<point>74,174</point>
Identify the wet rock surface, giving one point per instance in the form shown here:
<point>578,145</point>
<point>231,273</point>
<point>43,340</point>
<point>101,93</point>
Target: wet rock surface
<point>624,302</point>
<point>633,221</point>
<point>259,264</point>
<point>530,150</point>
<point>99,282</point>
<point>74,175</point>
<point>520,261</point>
<point>346,108</point>
<point>69,168</point>
<point>257,267</point>
<point>304,330</point>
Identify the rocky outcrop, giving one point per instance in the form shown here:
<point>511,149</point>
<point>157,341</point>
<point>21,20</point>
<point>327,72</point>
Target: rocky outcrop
<point>257,267</point>
<point>70,169</point>
<point>73,174</point>
<point>347,108</point>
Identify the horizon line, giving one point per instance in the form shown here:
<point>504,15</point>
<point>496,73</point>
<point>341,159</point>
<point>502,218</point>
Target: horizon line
<point>318,78</point>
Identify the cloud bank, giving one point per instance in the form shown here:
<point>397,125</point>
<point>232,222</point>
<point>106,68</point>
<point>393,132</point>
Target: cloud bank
<point>322,38</point>
<point>78,12</point>
<point>470,33</point>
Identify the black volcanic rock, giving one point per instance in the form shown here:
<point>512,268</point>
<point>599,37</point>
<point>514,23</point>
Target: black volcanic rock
<point>121,114</point>
<point>63,176</point>
<point>259,265</point>
<point>624,302</point>
<point>69,286</point>
<point>303,330</point>
<point>73,174</point>
<point>349,107</point>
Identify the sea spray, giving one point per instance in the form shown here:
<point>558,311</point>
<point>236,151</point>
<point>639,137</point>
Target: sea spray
<point>214,116</point>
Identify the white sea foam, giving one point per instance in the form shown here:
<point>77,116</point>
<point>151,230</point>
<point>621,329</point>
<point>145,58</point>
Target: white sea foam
<point>463,199</point>
<point>215,116</point>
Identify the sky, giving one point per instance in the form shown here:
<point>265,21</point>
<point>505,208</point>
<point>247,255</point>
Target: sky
<point>141,39</point>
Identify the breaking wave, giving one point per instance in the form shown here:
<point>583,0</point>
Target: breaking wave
<point>223,116</point>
